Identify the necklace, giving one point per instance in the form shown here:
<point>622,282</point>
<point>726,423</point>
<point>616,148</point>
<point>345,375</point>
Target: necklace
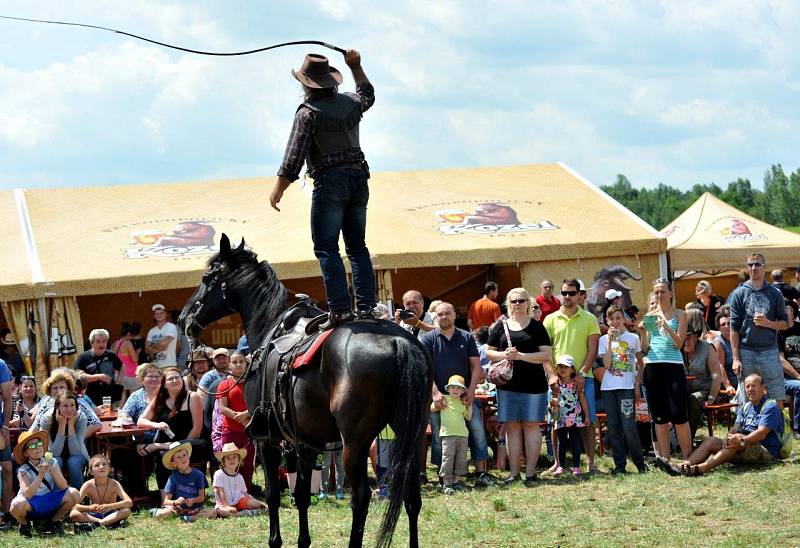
<point>102,498</point>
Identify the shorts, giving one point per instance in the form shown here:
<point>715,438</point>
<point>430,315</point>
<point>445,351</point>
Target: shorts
<point>591,401</point>
<point>666,392</point>
<point>385,452</point>
<point>5,453</point>
<point>44,506</point>
<point>754,453</point>
<point>767,364</point>
<point>521,407</point>
<point>188,510</point>
<point>101,515</point>
<point>242,504</point>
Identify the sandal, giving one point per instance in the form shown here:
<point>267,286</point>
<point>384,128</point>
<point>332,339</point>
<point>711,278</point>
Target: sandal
<point>666,467</point>
<point>142,449</point>
<point>691,470</point>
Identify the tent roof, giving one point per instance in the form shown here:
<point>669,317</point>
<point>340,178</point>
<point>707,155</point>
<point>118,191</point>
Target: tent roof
<point>118,239</point>
<point>17,277</point>
<point>712,235</point>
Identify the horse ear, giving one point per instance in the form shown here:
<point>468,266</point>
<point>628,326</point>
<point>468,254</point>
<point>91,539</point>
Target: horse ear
<point>241,246</point>
<point>224,247</point>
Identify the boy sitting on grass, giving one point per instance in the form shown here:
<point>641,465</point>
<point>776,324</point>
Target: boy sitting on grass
<point>43,492</point>
<point>109,504</point>
<point>230,489</point>
<point>186,487</point>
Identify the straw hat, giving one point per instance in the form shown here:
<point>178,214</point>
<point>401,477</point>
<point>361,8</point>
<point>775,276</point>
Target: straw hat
<point>9,340</point>
<point>24,439</point>
<point>174,447</point>
<point>230,449</point>
<point>455,380</point>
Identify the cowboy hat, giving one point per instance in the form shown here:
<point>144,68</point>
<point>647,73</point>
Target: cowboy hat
<point>455,380</point>
<point>24,439</point>
<point>316,73</point>
<point>230,449</point>
<point>174,447</point>
<point>9,340</point>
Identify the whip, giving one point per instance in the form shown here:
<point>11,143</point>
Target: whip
<point>198,52</point>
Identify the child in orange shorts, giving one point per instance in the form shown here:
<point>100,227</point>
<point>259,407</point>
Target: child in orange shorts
<point>230,489</point>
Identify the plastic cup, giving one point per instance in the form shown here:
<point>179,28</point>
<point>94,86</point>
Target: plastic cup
<point>107,402</point>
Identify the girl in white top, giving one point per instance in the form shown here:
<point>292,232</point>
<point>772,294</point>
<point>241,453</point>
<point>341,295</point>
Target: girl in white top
<point>230,490</point>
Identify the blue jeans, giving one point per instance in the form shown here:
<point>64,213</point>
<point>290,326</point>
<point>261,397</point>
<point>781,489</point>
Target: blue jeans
<point>591,403</point>
<point>478,446</point>
<point>621,420</point>
<point>792,386</point>
<point>339,205</point>
<point>75,465</point>
<point>767,364</point>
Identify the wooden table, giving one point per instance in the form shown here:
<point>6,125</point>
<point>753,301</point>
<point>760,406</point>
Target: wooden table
<point>718,412</point>
<point>111,437</point>
<point>107,416</point>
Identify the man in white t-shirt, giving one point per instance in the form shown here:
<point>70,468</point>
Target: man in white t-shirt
<point>623,363</point>
<point>162,339</point>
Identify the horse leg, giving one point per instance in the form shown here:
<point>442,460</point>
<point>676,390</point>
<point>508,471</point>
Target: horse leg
<point>271,459</point>
<point>413,504</point>
<point>302,494</point>
<point>355,463</point>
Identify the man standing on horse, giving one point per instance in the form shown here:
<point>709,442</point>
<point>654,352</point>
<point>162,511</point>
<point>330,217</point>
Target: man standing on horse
<point>325,135</point>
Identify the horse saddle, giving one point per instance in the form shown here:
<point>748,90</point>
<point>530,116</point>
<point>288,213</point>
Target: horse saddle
<point>289,352</point>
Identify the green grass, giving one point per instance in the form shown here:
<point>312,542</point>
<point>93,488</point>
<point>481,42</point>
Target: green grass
<point>792,228</point>
<point>730,506</point>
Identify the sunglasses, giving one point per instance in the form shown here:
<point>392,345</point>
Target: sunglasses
<point>755,264</point>
<point>518,301</point>
<point>568,293</point>
<point>35,444</point>
<point>536,308</point>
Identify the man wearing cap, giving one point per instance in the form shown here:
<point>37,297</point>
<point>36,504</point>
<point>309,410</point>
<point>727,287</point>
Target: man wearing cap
<point>10,354</point>
<point>325,135</point>
<point>162,339</point>
<point>454,352</point>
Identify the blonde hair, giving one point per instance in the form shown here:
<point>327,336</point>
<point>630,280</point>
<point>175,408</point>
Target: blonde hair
<point>142,370</point>
<point>523,293</point>
<point>433,305</point>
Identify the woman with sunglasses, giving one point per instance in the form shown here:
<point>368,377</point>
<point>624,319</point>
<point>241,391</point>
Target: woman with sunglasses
<point>664,376</point>
<point>522,403</point>
<point>702,364</point>
<point>711,303</point>
<point>24,403</point>
<point>174,411</point>
<point>722,345</point>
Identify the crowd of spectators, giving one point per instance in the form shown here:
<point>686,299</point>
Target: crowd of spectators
<point>566,363</point>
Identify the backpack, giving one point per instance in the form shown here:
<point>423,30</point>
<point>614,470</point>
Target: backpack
<point>784,437</point>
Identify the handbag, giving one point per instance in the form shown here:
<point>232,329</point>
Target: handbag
<point>500,372</point>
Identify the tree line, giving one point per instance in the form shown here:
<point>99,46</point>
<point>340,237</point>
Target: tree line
<point>778,203</point>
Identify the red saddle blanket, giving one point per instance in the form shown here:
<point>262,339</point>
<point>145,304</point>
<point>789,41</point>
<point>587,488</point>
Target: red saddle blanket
<point>307,358</point>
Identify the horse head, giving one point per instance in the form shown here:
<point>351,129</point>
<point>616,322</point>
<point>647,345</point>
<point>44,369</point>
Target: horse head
<point>210,301</point>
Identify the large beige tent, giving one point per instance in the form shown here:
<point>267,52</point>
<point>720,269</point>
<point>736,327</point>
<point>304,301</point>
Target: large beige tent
<point>712,237</point>
<point>116,242</point>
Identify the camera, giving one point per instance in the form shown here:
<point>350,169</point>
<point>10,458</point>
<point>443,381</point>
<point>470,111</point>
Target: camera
<point>406,314</point>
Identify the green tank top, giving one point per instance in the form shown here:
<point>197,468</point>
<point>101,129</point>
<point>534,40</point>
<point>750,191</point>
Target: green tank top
<point>662,349</point>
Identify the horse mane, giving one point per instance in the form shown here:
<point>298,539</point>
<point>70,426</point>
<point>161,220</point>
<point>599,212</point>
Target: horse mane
<point>266,294</point>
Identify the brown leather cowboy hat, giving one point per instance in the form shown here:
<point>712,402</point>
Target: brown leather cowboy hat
<point>316,73</point>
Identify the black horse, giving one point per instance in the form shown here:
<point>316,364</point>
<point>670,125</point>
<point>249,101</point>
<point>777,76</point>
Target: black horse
<point>372,373</point>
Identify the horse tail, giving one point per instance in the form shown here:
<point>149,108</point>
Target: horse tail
<point>408,423</point>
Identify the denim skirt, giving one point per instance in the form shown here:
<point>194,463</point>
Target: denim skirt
<point>522,407</point>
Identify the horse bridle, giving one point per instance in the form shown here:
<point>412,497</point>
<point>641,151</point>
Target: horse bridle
<point>199,303</point>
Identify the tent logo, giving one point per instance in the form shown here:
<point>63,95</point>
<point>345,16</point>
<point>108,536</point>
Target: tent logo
<point>195,237</point>
<point>486,218</point>
<point>735,230</point>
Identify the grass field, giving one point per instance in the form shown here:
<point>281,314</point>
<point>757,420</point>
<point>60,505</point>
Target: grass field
<point>732,506</point>
<point>793,228</point>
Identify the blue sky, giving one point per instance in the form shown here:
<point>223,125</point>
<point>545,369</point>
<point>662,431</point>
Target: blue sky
<point>674,92</point>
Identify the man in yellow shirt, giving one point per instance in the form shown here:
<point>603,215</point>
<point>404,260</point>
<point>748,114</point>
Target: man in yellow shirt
<point>575,332</point>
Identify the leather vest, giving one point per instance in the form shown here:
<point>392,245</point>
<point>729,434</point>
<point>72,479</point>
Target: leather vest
<point>336,128</point>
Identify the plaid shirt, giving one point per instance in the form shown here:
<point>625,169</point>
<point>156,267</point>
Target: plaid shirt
<point>303,129</point>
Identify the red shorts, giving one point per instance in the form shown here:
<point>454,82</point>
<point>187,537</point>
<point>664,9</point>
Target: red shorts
<point>242,504</point>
